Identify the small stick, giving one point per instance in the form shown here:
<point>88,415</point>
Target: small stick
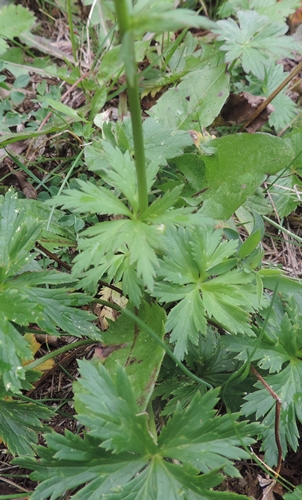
<point>277,417</point>
<point>272,96</point>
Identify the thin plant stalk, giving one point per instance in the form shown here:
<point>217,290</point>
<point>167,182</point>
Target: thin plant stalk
<point>156,337</point>
<point>286,231</point>
<point>57,352</point>
<point>72,36</point>
<point>127,38</point>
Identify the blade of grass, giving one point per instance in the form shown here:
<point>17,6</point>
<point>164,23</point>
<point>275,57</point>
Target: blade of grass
<point>281,228</point>
<point>27,171</point>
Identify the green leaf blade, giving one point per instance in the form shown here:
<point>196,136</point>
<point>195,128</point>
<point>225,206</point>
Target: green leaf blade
<point>186,320</point>
<point>19,425</point>
<point>287,384</point>
<point>238,167</point>
<point>213,440</point>
<point>197,99</point>
<point>91,199</point>
<point>138,352</point>
<point>255,41</point>
<point>110,410</point>
<point>14,20</point>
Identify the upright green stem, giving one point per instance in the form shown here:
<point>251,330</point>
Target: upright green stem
<point>127,38</point>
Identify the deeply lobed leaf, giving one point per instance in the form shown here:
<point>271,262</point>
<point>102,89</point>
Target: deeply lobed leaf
<point>91,199</point>
<point>14,20</point>
<point>24,298</point>
<point>279,344</point>
<point>228,298</point>
<point>254,41</point>
<point>19,425</point>
<point>107,405</point>
<point>288,386</point>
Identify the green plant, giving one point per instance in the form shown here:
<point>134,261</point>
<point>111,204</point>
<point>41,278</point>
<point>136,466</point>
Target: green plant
<point>278,356</point>
<point>14,20</point>
<point>160,230</point>
<point>194,441</point>
<point>271,9</point>
<point>253,42</point>
<point>29,295</point>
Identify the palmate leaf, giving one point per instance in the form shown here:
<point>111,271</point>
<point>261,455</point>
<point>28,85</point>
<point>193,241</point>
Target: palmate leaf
<point>200,264</point>
<point>128,245</point>
<point>19,424</point>
<point>159,213</point>
<point>50,308</point>
<point>18,236</point>
<point>255,41</point>
<point>165,480</point>
<point>116,268</point>
<point>118,170</point>
<point>81,461</point>
<point>270,356</point>
<point>284,107</point>
<point>230,299</point>
<point>90,199</point>
<point>161,142</point>
<point>109,408</point>
<point>24,298</point>
<point>288,386</point>
<point>284,193</point>
<point>208,360</point>
<point>136,240</point>
<point>14,348</point>
<point>113,417</point>
<point>207,447</point>
<point>117,167</point>
<point>273,11</point>
<point>280,345</point>
<point>186,320</point>
<point>132,237</point>
<point>51,233</point>
<point>14,20</point>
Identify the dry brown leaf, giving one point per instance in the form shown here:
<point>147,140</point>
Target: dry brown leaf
<point>101,352</point>
<point>104,312</point>
<point>34,347</point>
<point>240,107</point>
<point>269,487</point>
